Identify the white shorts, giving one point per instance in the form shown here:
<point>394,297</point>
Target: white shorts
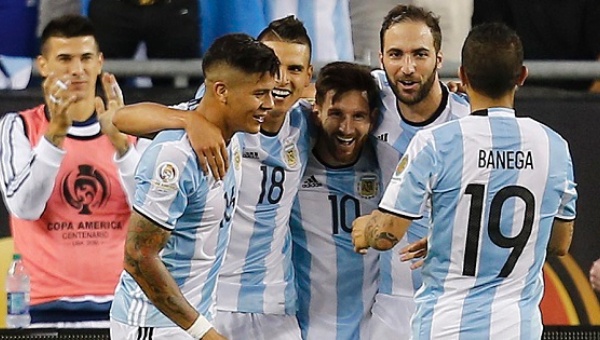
<point>254,326</point>
<point>391,317</point>
<point>121,331</point>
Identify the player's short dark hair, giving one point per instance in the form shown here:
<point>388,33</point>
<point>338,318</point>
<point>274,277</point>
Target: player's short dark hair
<point>67,26</point>
<point>402,13</point>
<point>342,77</point>
<point>492,57</point>
<point>242,52</point>
<point>288,29</point>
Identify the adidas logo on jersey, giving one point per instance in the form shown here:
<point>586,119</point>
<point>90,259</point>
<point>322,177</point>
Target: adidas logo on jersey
<point>311,182</point>
<point>251,154</point>
<point>383,137</point>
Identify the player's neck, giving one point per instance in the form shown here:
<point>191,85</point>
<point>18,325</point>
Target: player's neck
<point>216,116</point>
<point>426,108</point>
<point>82,110</point>
<point>481,102</point>
<point>273,122</point>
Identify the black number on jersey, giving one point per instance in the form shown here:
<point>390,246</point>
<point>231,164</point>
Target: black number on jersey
<point>517,243</point>
<point>229,203</point>
<point>340,210</point>
<point>274,182</point>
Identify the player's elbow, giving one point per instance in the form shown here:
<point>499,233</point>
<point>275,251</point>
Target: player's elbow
<point>557,250</point>
<point>26,212</point>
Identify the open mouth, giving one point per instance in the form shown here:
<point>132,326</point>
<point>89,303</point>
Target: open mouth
<point>345,141</point>
<point>259,118</point>
<point>408,83</point>
<point>281,93</point>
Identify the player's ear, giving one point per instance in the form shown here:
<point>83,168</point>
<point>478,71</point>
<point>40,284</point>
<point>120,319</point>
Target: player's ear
<point>462,74</point>
<point>315,115</point>
<point>523,73</point>
<point>42,65</point>
<point>221,91</point>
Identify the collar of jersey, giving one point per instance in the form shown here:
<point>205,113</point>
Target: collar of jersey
<point>495,112</point>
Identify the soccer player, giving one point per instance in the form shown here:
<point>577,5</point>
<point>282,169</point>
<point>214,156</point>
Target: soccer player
<point>413,99</point>
<point>336,287</point>
<point>502,195</point>
<point>256,292</point>
<point>68,205</point>
<point>180,226</point>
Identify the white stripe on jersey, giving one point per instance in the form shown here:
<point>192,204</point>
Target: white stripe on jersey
<point>507,176</point>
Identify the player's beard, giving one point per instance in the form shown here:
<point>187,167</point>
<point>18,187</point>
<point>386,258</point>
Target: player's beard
<point>420,95</point>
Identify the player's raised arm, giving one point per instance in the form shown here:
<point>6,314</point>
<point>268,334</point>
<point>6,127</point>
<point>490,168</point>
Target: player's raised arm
<point>146,119</point>
<point>378,230</point>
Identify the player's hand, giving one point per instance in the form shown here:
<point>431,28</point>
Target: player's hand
<point>114,101</point>
<point>595,275</point>
<point>456,86</point>
<point>414,250</point>
<point>58,100</point>
<point>212,334</point>
<point>208,144</point>
<point>359,239</point>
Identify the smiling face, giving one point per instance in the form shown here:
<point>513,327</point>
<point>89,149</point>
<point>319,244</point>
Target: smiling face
<point>249,99</point>
<point>76,60</point>
<point>410,60</point>
<point>345,127</point>
<point>295,74</point>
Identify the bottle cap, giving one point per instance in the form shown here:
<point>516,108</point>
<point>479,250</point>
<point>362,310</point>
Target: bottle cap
<point>16,257</point>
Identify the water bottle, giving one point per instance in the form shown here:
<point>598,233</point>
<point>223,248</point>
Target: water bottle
<point>17,295</point>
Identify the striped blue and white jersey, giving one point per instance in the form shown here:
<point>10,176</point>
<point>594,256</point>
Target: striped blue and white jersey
<point>496,183</point>
<point>398,132</point>
<point>257,275</point>
<point>173,192</point>
<point>336,286</point>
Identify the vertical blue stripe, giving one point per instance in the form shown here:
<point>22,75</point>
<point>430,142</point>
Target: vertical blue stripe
<point>290,293</point>
<point>385,272</point>
<point>302,261</point>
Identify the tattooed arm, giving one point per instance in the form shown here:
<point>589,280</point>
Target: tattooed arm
<point>378,230</point>
<point>144,241</point>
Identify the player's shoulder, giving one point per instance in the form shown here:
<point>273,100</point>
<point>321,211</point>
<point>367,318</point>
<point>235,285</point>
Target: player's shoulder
<point>189,105</point>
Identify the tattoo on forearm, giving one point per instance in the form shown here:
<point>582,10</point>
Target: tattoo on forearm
<point>377,238</point>
<point>144,242</point>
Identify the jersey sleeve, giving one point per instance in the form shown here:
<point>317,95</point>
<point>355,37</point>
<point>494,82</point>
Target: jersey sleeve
<point>411,183</point>
<point>166,177</point>
<point>566,210</point>
<point>28,173</point>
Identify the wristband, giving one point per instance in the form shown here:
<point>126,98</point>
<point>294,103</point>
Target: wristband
<point>199,327</point>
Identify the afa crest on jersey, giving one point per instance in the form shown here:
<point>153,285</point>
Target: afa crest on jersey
<point>166,177</point>
<point>290,153</point>
<point>368,186</point>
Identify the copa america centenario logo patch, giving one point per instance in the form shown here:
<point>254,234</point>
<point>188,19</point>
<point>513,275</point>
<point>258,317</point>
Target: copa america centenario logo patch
<point>368,186</point>
<point>166,176</point>
<point>237,158</point>
<point>86,189</point>
<point>401,166</point>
